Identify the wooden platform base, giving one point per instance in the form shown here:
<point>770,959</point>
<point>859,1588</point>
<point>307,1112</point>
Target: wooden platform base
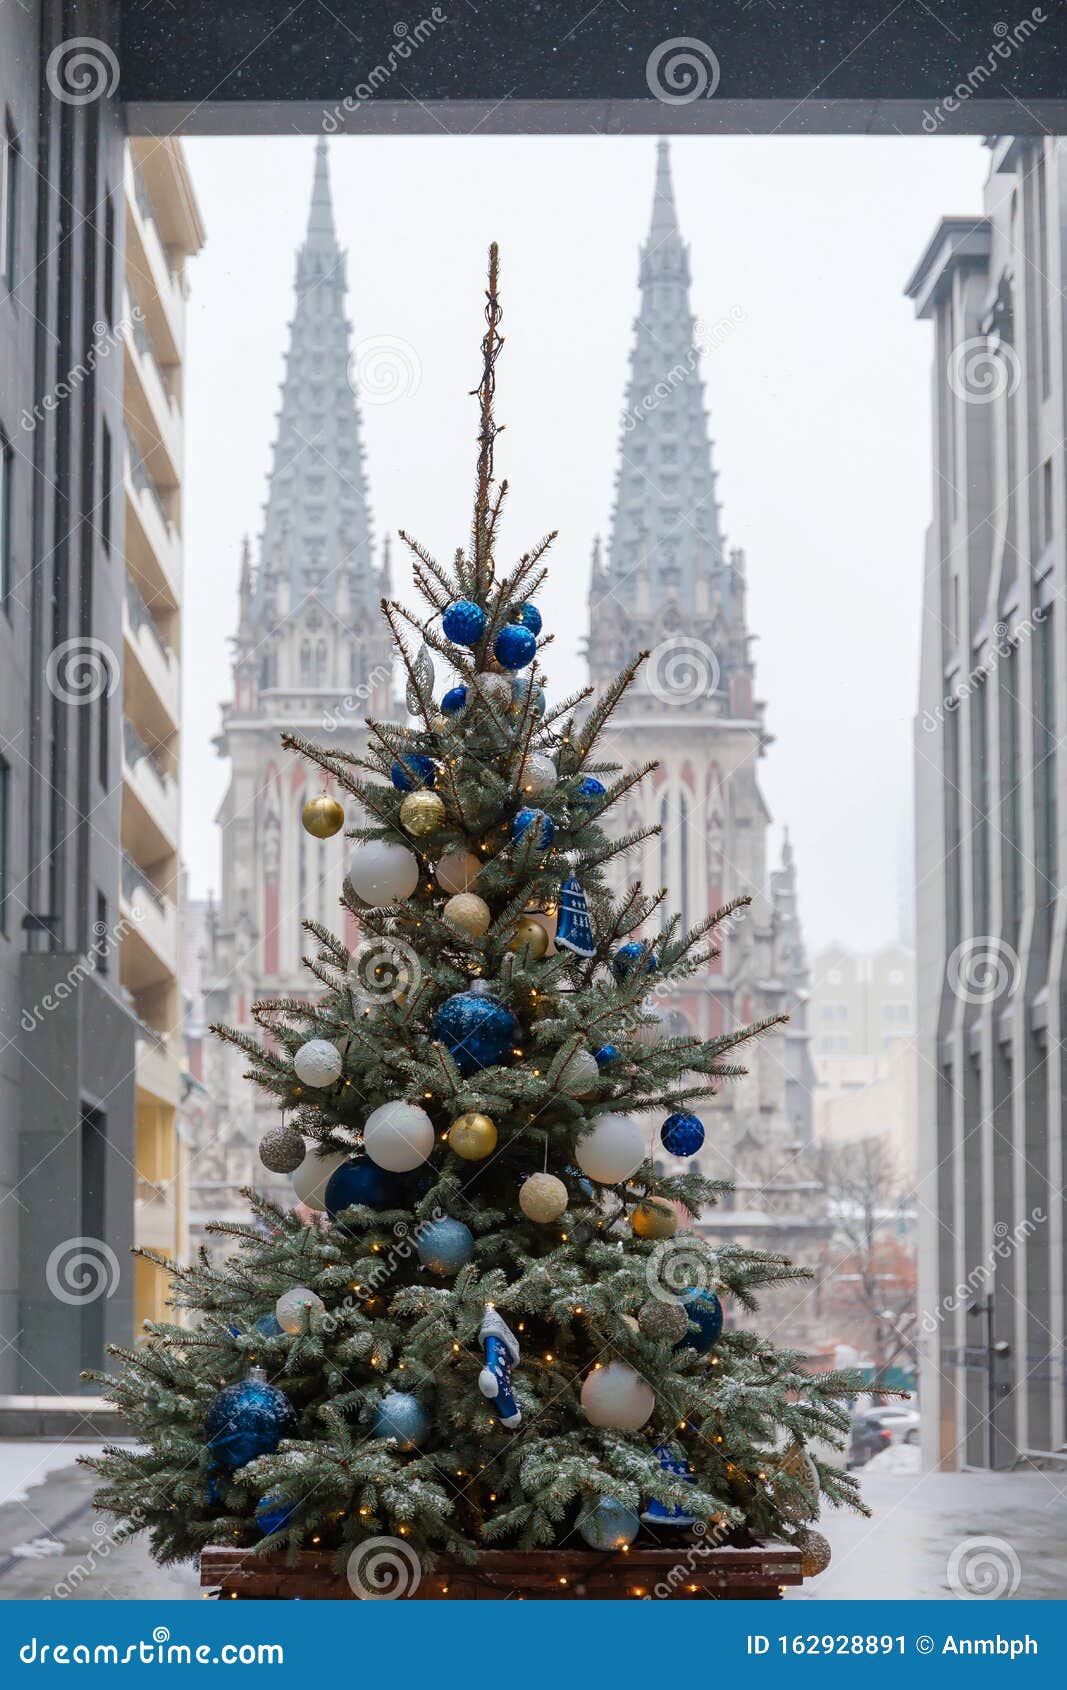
<point>689,1573</point>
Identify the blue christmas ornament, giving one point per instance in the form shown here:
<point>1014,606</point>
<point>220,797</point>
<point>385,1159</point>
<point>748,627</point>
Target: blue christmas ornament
<point>608,1524</point>
<point>412,770</point>
<point>362,1181</point>
<point>658,1513</point>
<point>267,1326</point>
<point>214,1485</point>
<point>524,687</point>
<point>514,646</point>
<point>454,701</point>
<point>475,1029</point>
<point>628,956</point>
<point>590,792</point>
<point>544,826</point>
<point>273,1512</point>
<point>574,930</point>
<point>529,616</point>
<point>705,1313</point>
<point>464,622</point>
<point>501,1350</point>
<point>682,1134</point>
<point>445,1245</point>
<point>402,1416</point>
<point>248,1419</point>
<point>606,1055</point>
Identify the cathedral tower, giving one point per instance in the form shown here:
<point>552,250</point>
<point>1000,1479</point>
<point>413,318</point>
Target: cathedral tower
<point>670,584</point>
<point>311,654</point>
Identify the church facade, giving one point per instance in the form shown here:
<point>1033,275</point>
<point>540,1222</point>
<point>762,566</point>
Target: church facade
<point>308,655</point>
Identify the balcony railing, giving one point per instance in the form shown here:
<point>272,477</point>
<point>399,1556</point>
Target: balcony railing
<point>145,346</point>
<point>137,751</point>
<point>145,482</point>
<point>142,617</point>
<point>134,879</point>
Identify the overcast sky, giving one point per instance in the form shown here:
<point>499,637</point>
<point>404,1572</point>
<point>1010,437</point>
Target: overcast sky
<point>819,400</point>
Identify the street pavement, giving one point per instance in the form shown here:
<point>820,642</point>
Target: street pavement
<point>935,1535</point>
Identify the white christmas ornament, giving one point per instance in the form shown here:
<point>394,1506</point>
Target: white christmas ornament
<point>580,1075</point>
<point>398,1136</point>
<point>457,871</point>
<point>380,872</point>
<point>538,772</point>
<point>289,1309</point>
<point>318,1063</point>
<point>612,1151</point>
<point>618,1397</point>
<point>655,1032</point>
<point>313,1176</point>
<point>495,689</point>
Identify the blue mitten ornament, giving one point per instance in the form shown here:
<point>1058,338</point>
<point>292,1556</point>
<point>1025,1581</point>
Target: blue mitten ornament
<point>501,1354</point>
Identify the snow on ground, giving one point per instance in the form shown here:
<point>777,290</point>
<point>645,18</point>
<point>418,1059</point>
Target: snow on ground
<point>898,1458</point>
<point>26,1461</point>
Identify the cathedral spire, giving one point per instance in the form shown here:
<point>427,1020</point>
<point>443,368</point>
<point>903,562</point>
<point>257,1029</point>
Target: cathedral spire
<point>665,542</point>
<point>317,521</point>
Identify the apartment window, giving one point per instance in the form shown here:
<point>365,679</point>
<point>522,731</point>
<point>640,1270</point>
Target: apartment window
<point>105,486</point>
<point>1011,787</point>
<point>7,514</point>
<point>100,934</point>
<point>109,261</point>
<point>1046,504</point>
<point>9,205</point>
<point>5,806</point>
<point>953,904</point>
<point>103,742</point>
<point>683,860</point>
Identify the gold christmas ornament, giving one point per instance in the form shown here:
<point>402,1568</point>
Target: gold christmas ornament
<point>654,1217</point>
<point>457,871</point>
<point>439,724</point>
<point>531,933</point>
<point>543,1198</point>
<point>323,816</point>
<point>666,1323</point>
<point>797,1464</point>
<point>469,913</point>
<point>421,814</point>
<point>472,1136</point>
<point>816,1552</point>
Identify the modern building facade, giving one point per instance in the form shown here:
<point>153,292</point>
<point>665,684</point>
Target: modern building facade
<point>67,1034</point>
<point>163,231</point>
<point>312,655</point>
<point>860,1004</point>
<point>991,802</point>
<point>670,584</point>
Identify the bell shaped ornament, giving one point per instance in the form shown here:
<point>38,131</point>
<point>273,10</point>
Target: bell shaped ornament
<point>574,930</point>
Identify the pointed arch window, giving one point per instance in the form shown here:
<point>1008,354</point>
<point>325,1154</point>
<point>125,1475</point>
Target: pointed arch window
<point>320,664</point>
<point>664,853</point>
<point>302,878</point>
<point>305,664</point>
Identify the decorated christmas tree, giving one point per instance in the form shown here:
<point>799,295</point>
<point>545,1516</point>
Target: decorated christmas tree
<point>489,1322</point>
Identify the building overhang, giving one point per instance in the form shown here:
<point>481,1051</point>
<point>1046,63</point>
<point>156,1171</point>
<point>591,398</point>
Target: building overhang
<point>957,242</point>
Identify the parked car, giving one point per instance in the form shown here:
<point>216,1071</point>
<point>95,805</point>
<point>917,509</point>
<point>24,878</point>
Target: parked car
<point>867,1438</point>
<point>901,1420</point>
